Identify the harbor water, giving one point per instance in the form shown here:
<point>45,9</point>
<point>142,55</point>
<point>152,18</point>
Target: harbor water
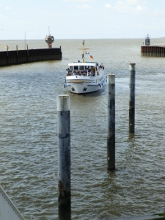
<point>28,134</point>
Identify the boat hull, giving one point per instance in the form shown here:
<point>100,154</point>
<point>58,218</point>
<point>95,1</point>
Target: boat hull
<point>84,77</point>
<point>82,87</point>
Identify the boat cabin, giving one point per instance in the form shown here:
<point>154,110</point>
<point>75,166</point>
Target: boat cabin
<point>86,69</point>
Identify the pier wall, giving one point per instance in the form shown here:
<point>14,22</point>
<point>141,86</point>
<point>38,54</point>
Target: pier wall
<point>153,51</point>
<point>15,57</point>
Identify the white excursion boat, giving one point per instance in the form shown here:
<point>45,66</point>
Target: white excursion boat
<point>84,77</point>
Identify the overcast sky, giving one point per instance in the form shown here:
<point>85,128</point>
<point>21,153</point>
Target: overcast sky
<point>81,19</point>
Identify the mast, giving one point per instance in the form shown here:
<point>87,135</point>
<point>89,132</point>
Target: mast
<point>49,30</point>
<point>83,51</point>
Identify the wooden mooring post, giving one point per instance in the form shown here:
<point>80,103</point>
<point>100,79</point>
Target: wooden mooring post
<point>64,167</point>
<point>132,99</point>
<point>111,122</point>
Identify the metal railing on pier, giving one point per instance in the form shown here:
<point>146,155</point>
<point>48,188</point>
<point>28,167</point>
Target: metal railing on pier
<point>7,208</point>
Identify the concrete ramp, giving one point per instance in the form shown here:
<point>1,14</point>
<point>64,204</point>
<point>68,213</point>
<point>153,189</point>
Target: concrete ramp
<point>8,211</point>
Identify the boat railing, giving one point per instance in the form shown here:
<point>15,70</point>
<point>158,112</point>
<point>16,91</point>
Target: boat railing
<point>101,67</point>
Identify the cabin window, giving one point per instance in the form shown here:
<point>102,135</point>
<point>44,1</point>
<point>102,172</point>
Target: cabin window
<point>75,67</point>
<point>81,67</point>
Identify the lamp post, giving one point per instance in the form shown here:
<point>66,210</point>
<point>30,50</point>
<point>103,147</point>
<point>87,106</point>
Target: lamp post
<point>25,37</point>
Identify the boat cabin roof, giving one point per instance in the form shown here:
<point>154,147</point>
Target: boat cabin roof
<point>83,64</point>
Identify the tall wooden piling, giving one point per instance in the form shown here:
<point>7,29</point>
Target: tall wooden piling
<point>64,181</point>
<point>111,122</point>
<point>132,99</point>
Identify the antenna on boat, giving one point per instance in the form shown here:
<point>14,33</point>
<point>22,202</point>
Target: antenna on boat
<point>49,30</point>
<point>83,51</point>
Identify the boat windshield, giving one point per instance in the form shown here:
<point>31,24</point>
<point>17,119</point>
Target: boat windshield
<point>82,71</point>
<point>75,68</point>
<point>81,67</point>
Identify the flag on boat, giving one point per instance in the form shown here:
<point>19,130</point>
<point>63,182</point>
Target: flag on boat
<point>91,57</point>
